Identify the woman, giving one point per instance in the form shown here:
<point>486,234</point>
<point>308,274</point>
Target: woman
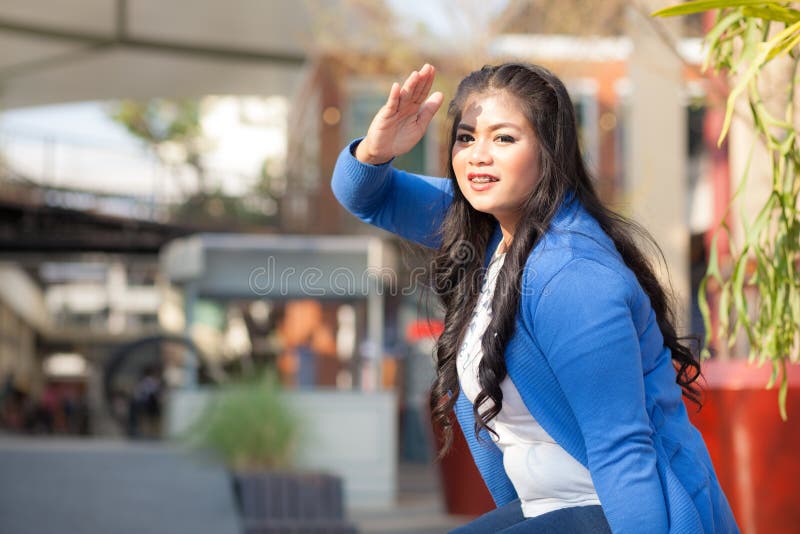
<point>559,353</point>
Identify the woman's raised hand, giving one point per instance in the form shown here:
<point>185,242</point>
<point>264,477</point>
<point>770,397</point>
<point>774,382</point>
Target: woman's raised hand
<point>402,121</point>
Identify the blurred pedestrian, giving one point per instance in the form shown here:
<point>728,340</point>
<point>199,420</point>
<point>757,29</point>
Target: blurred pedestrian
<point>49,416</point>
<point>306,363</point>
<point>559,352</point>
<point>144,412</point>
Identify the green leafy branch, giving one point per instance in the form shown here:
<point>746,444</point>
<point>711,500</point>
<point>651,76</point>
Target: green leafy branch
<point>748,35</point>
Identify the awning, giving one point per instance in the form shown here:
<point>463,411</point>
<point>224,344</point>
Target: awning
<point>54,51</point>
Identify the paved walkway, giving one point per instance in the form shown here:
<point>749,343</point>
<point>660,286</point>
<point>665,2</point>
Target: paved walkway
<point>88,486</point>
<point>101,486</point>
<point>419,508</point>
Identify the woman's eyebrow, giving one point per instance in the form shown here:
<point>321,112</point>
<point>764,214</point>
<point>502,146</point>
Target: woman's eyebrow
<point>470,128</point>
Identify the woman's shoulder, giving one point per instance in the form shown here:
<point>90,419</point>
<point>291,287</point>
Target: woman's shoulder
<point>575,250</point>
<point>573,235</point>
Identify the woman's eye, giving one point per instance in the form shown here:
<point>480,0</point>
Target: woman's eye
<point>505,138</point>
<point>463,138</point>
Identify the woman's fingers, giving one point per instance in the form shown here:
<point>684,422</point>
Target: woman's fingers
<point>419,93</point>
<point>417,85</point>
<point>409,86</point>
<point>429,108</point>
<point>393,102</point>
<point>430,74</point>
<point>402,121</point>
<point>407,99</point>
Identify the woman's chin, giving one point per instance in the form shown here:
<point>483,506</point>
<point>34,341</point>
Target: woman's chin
<point>480,204</point>
<point>484,207</point>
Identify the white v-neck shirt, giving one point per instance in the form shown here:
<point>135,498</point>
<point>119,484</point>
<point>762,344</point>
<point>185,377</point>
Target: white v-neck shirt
<point>544,475</point>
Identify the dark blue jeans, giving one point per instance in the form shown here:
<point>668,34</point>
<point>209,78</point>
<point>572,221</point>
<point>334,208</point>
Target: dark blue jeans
<point>508,519</point>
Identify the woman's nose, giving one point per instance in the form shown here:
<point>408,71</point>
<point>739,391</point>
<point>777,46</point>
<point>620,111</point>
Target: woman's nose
<point>480,153</point>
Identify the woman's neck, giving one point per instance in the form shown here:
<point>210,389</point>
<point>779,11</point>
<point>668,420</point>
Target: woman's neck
<point>508,223</point>
<point>508,236</point>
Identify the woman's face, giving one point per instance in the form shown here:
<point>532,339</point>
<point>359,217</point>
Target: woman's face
<point>496,156</point>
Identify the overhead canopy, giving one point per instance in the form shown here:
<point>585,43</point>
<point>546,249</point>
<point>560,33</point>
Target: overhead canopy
<point>56,51</point>
<point>244,266</point>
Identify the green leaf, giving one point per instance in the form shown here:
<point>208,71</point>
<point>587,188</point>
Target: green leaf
<point>733,96</point>
<point>787,44</point>
<point>762,219</point>
<point>794,304</point>
<point>772,12</point>
<point>776,45</point>
<point>714,34</point>
<point>698,6</point>
<point>720,27</point>
<point>737,290</point>
<point>705,311</point>
<point>784,389</point>
<point>724,309</point>
<point>773,377</point>
<point>713,259</point>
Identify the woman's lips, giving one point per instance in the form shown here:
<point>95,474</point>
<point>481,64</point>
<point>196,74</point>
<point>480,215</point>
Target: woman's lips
<point>481,187</point>
<point>481,181</point>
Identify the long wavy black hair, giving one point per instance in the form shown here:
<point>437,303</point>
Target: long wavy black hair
<point>457,267</point>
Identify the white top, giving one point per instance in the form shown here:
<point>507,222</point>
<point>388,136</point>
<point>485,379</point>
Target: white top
<point>544,475</point>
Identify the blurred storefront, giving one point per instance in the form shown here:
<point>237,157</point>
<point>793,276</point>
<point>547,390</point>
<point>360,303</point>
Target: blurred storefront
<point>73,286</point>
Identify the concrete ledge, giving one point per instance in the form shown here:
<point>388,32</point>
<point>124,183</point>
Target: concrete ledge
<point>102,486</point>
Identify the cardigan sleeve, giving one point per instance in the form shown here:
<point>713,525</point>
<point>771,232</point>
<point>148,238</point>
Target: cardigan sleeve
<point>409,205</point>
<point>487,455</point>
<point>584,326</point>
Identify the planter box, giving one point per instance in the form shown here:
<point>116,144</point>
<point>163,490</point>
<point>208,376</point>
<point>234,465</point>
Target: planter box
<point>755,453</point>
<point>286,502</point>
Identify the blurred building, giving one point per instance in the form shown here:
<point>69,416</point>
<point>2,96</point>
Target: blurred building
<point>111,50</point>
<point>74,284</point>
<point>80,268</point>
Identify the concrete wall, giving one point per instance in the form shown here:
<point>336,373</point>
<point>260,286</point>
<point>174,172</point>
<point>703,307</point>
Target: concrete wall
<point>656,172</point>
<point>350,433</point>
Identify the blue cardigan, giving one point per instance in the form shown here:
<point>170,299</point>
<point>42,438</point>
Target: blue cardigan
<point>587,357</point>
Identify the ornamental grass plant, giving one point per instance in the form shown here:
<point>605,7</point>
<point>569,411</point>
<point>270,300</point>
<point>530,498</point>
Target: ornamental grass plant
<point>249,425</point>
<point>748,36</point>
